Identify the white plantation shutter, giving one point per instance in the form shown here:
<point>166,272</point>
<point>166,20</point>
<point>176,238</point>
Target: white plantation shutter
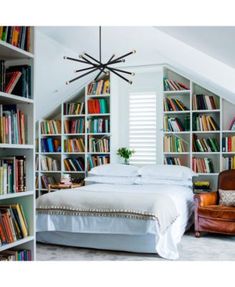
<point>142,127</point>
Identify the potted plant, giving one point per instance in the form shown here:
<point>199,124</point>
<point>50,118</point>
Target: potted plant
<point>125,153</point>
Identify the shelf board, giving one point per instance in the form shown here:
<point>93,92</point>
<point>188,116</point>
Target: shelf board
<point>228,131</point>
<point>98,96</point>
<point>51,171</point>
<point>8,51</point>
<point>183,132</point>
<point>177,92</point>
<point>228,152</point>
<point>206,111</point>
<point>16,243</point>
<point>98,152</point>
<point>176,112</point>
<point>75,134</point>
<point>176,153</point>
<point>16,195</point>
<point>17,146</point>
<point>198,153</point>
<point>55,153</point>
<point>14,99</point>
<point>74,152</point>
<point>98,115</point>
<point>74,171</point>
<point>207,174</point>
<point>74,116</point>
<point>98,134</point>
<point>206,132</point>
<point>52,135</point>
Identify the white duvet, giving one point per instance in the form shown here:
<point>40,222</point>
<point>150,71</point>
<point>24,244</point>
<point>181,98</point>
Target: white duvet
<point>166,244</point>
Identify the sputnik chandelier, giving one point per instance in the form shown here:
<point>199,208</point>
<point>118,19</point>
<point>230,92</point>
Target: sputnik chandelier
<point>97,65</point>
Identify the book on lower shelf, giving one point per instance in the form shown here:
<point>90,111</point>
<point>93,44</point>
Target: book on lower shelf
<point>99,87</point>
<point>74,126</point>
<point>50,164</point>
<point>205,123</point>
<point>95,160</point>
<point>171,85</point>
<point>228,144</point>
<point>47,179</point>
<point>12,174</point>
<point>98,106</point>
<point>74,164</point>
<point>175,124</point>
<point>202,165</point>
<point>74,145</point>
<point>51,127</point>
<point>204,102</point>
<point>229,162</point>
<point>12,125</point>
<point>174,144</point>
<point>172,161</point>
<point>16,255</point>
<point>13,224</point>
<point>98,125</point>
<point>175,105</point>
<point>98,144</point>
<point>205,144</point>
<point>74,108</point>
<point>50,145</point>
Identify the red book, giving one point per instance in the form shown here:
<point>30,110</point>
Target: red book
<point>6,223</point>
<point>13,79</point>
<point>183,86</point>
<point>212,102</point>
<point>229,144</point>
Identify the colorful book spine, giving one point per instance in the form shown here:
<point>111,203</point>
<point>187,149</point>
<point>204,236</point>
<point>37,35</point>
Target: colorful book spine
<point>97,106</point>
<point>205,123</point>
<point>96,160</point>
<point>74,145</point>
<point>229,162</point>
<point>202,165</point>
<point>50,145</point>
<point>98,145</point>
<point>98,125</point>
<point>51,127</point>
<point>74,164</point>
<point>74,108</point>
<point>205,144</point>
<point>101,87</point>
<point>174,144</point>
<point>171,85</point>
<point>204,102</point>
<point>228,144</point>
<point>74,126</point>
<point>172,161</point>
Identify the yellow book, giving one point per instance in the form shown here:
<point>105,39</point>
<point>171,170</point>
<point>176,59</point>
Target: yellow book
<point>1,30</point>
<point>106,87</point>
<point>22,220</point>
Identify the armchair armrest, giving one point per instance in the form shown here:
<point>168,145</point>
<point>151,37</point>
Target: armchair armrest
<point>205,199</point>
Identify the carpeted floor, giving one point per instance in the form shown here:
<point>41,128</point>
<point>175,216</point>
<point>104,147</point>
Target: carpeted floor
<point>208,247</point>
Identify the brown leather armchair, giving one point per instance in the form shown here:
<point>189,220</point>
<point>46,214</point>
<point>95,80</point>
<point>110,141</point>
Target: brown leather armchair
<point>209,215</point>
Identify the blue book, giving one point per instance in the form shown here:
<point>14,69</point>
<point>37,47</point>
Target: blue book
<point>50,145</point>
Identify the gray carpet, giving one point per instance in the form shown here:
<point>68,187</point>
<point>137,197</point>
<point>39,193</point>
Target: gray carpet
<point>208,247</point>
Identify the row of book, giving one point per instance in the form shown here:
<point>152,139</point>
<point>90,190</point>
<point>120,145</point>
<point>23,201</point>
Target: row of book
<point>74,145</point>
<point>97,106</point>
<point>174,144</point>
<point>46,180</point>
<point>13,224</point>
<point>18,36</point>
<point>202,165</point>
<point>98,125</point>
<point>12,174</point>
<point>204,123</point>
<point>201,186</point>
<point>16,80</point>
<point>51,127</point>
<point>205,144</point>
<point>74,108</point>
<point>171,85</point>
<point>16,255</point>
<point>74,164</point>
<point>229,162</point>
<point>98,145</point>
<point>50,145</point>
<point>49,164</point>
<point>172,161</point>
<point>173,105</point>
<point>174,124</point>
<point>74,126</point>
<point>100,87</point>
<point>96,160</point>
<point>228,144</point>
<point>204,102</point>
<point>12,125</point>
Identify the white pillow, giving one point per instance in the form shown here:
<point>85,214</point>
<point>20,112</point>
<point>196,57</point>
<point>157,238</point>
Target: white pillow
<point>153,180</point>
<point>114,170</point>
<point>163,171</point>
<point>111,179</point>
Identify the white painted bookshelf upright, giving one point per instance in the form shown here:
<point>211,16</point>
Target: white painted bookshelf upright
<point>17,147</point>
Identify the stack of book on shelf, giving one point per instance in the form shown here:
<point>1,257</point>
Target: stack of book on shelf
<point>100,87</point>
<point>74,126</point>
<point>172,161</point>
<point>229,162</point>
<point>49,164</point>
<point>16,80</point>
<point>99,125</point>
<point>12,174</point>
<point>13,224</point>
<point>51,127</point>
<point>174,124</point>
<point>74,108</point>
<point>18,36</point>
<point>74,164</point>
<point>46,180</point>
<point>202,165</point>
<point>95,160</point>
<point>201,186</point>
<point>174,144</point>
<point>12,125</point>
<point>173,105</point>
<point>74,145</point>
<point>98,145</point>
<point>228,144</point>
<point>205,123</point>
<point>171,85</point>
<point>204,102</point>
<point>16,255</point>
<point>97,106</point>
<point>205,144</point>
<point>50,145</point>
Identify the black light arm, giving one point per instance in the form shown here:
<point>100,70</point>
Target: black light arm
<point>83,75</point>
<point>125,79</point>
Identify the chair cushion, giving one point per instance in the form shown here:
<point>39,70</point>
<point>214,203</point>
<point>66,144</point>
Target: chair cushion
<point>217,212</point>
<point>227,197</point>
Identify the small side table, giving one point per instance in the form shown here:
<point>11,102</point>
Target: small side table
<point>57,186</point>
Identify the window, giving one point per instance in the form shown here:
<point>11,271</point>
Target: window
<point>142,127</point>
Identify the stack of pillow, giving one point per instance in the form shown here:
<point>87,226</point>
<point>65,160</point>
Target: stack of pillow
<point>150,174</point>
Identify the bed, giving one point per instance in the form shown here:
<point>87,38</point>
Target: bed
<point>135,233</point>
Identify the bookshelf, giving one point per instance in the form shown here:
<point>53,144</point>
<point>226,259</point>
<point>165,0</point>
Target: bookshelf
<point>18,152</point>
<point>87,130</point>
<point>222,113</point>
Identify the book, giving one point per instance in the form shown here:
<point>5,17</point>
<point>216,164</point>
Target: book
<point>229,162</point>
<point>204,102</point>
<point>100,87</point>
<point>174,144</point>
<point>96,160</point>
<point>11,80</point>
<point>228,144</point>
<point>205,144</point>
<point>50,144</point>
<point>204,123</point>
<point>232,125</point>
<point>173,124</point>
<point>49,164</point>
<point>51,127</point>
<point>74,164</point>
<point>172,161</point>
<point>202,165</point>
<point>74,145</point>
<point>171,104</point>
<point>16,255</point>
<point>171,85</point>
<point>74,108</point>
<point>98,125</point>
<point>74,126</point>
<point>97,106</point>
<point>46,180</point>
<point>98,144</point>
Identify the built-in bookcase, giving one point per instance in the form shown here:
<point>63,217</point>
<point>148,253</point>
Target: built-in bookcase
<point>201,106</point>
<point>18,152</point>
<point>85,135</point>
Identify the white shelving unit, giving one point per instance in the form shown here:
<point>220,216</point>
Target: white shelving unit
<point>16,56</point>
<point>81,97</point>
<point>223,115</point>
